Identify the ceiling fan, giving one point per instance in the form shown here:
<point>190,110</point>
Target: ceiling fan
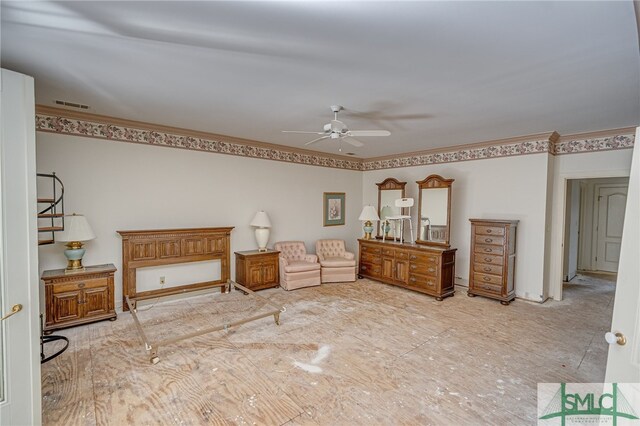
<point>338,130</point>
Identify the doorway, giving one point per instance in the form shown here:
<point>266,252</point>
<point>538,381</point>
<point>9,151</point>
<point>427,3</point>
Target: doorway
<point>594,217</point>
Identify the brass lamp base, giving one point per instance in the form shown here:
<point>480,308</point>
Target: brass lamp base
<point>368,229</point>
<point>74,254</point>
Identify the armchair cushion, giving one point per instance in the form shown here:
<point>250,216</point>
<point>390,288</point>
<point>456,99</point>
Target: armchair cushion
<point>336,262</point>
<point>301,266</point>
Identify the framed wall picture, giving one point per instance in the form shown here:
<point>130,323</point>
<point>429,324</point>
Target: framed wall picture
<point>334,208</point>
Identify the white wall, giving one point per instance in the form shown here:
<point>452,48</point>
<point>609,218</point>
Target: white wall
<point>498,188</point>
<point>602,164</point>
<point>124,186</point>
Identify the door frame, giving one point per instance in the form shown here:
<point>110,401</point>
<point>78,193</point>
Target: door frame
<point>558,222</point>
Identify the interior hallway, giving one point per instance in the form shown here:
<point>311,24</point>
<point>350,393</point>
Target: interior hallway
<point>356,353</point>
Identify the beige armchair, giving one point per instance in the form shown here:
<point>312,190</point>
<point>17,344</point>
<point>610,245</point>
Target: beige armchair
<point>297,268</point>
<point>337,264</point>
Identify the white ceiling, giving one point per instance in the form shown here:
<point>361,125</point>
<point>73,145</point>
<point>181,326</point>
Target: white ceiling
<point>435,74</point>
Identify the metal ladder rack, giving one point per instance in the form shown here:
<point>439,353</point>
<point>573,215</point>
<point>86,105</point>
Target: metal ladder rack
<point>53,211</point>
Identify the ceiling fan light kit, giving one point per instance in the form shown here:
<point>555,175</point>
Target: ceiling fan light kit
<point>336,129</point>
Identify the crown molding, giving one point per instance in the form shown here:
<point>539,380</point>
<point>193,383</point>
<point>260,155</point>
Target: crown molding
<point>76,123</point>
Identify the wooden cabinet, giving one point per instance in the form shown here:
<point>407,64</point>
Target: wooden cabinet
<point>78,297</point>
<point>429,270</point>
<point>493,257</point>
<point>257,270</point>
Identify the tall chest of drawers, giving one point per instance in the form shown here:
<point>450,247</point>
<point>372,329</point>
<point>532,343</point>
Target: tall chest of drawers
<point>429,270</point>
<point>493,259</point>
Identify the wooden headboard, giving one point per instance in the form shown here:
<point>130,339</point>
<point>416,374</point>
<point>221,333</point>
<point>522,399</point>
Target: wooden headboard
<point>170,246</point>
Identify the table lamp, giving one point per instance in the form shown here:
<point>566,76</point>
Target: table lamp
<point>368,214</point>
<point>262,224</point>
<point>76,230</point>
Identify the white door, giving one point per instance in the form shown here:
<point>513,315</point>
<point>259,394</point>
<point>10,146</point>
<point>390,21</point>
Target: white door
<point>623,364</point>
<point>19,282</point>
<point>611,206</point>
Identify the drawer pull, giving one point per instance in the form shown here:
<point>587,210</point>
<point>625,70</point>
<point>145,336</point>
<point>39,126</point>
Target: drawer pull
<point>486,278</point>
<point>488,240</point>
<point>81,285</point>
<point>413,266</point>
<point>413,279</point>
<point>413,257</point>
<point>488,250</point>
<point>431,270</point>
<point>364,268</point>
<point>487,269</point>
<point>488,231</point>
<point>486,287</point>
<point>487,259</point>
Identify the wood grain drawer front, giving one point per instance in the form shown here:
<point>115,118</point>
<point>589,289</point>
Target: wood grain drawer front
<point>193,246</point>
<point>424,268</point>
<point>401,255</point>
<point>424,258</point>
<point>489,230</point>
<point>489,259</point>
<point>370,249</point>
<point>388,252</point>
<point>369,269</point>
<point>485,268</point>
<point>487,279</point>
<point>487,249</point>
<point>143,250</point>
<point>489,288</point>
<point>423,282</point>
<point>168,248</point>
<point>490,239</point>
<point>370,258</point>
<point>80,285</point>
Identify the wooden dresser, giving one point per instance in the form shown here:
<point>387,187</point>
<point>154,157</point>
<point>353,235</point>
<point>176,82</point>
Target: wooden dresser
<point>78,297</point>
<point>429,270</point>
<point>493,259</point>
<point>257,270</point>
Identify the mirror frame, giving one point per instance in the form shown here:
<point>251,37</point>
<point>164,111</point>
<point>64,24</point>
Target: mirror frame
<point>434,182</point>
<point>387,184</point>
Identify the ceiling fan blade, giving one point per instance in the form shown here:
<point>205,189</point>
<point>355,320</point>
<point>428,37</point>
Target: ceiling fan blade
<point>352,141</point>
<point>298,131</point>
<point>316,140</point>
<point>369,133</point>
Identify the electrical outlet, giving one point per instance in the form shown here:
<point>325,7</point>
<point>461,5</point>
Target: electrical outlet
<point>161,280</point>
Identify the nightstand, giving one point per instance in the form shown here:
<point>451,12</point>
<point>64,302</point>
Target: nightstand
<point>74,298</point>
<point>257,270</point>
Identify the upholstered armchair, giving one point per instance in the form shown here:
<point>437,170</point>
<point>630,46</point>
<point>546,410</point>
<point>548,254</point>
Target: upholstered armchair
<point>337,264</point>
<point>297,268</point>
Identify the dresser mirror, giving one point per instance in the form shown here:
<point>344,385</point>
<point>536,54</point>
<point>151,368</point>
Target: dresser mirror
<point>389,190</point>
<point>434,210</point>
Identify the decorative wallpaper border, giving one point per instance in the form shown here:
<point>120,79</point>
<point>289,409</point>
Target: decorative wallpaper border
<point>495,151</point>
<point>78,127</point>
<point>58,123</point>
<point>595,144</point>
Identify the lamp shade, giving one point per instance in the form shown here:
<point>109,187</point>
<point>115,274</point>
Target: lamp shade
<point>261,220</point>
<point>369,213</point>
<point>76,228</point>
